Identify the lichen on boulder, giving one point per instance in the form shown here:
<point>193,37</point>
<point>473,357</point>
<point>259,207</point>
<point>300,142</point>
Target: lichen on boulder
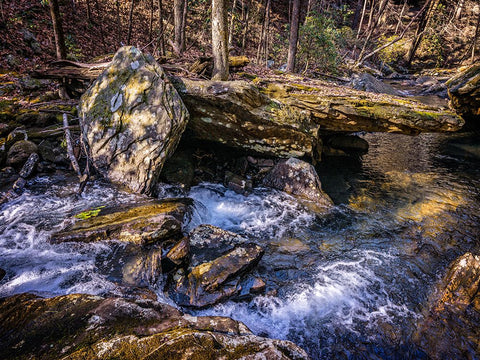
<point>132,119</point>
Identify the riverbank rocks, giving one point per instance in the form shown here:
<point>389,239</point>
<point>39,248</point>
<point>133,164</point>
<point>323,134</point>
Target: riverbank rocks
<point>464,93</point>
<point>299,178</point>
<point>219,262</point>
<point>368,82</point>
<point>19,153</point>
<point>81,326</point>
<point>454,318</point>
<point>132,119</point>
<point>140,224</point>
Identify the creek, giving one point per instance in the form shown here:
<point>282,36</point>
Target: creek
<point>349,284</point>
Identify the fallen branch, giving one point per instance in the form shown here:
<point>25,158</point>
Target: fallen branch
<point>68,139</point>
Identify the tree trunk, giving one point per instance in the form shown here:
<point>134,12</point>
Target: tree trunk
<point>400,17</point>
<point>119,22</point>
<point>178,6</point>
<point>102,35</point>
<point>184,25</point>
<point>89,12</point>
<point>245,27</point>
<point>425,17</point>
<point>219,40</point>
<point>60,48</point>
<point>458,10</point>
<point>161,37</point>
<point>474,41</point>
<point>230,29</point>
<point>150,25</point>
<point>372,26</point>
<point>362,18</point>
<point>130,22</point>
<point>293,41</point>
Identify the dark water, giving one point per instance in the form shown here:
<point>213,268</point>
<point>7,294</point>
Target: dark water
<point>349,284</point>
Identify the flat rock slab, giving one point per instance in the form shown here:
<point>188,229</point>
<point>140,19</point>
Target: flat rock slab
<point>139,224</point>
<point>132,119</point>
<point>81,326</point>
<point>284,116</point>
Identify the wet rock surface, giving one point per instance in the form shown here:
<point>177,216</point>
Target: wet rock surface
<point>140,224</point>
<point>93,327</point>
<point>454,318</point>
<point>19,153</point>
<point>219,263</point>
<point>300,179</point>
<point>132,119</point>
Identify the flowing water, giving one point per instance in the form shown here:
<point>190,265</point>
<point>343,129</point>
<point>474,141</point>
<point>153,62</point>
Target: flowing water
<point>348,284</point>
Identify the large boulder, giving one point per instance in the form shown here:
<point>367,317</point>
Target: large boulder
<point>299,178</point>
<point>82,326</point>
<point>220,261</point>
<point>454,316</point>
<point>132,119</point>
<point>464,92</point>
<point>140,224</point>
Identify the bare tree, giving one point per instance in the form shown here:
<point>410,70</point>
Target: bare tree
<point>219,40</point>
<point>293,41</point>
<point>161,37</point>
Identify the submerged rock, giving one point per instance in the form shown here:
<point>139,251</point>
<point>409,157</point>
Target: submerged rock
<point>454,318</point>
<point>219,262</point>
<point>132,119</point>
<point>300,179</point>
<point>464,92</point>
<point>348,143</point>
<point>91,327</point>
<point>140,224</point>
<point>2,274</point>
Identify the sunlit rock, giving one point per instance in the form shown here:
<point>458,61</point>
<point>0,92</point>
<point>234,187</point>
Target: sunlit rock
<point>454,316</point>
<point>300,179</point>
<point>220,260</point>
<point>132,119</point>
<point>140,224</point>
<point>92,327</point>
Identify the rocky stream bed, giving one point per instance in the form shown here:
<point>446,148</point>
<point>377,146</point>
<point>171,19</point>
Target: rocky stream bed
<point>239,220</point>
